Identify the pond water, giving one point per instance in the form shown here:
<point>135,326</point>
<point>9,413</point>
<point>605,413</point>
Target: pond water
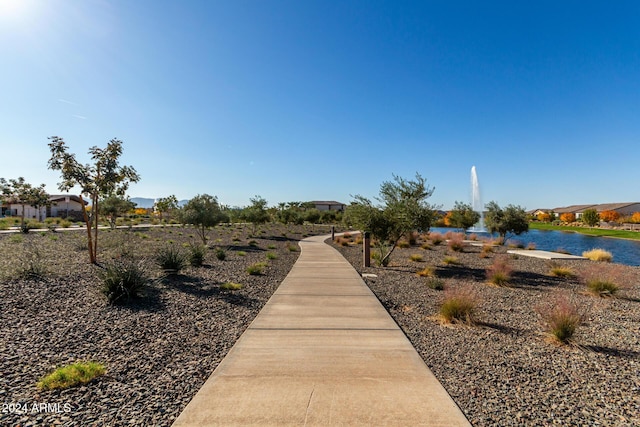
<point>623,251</point>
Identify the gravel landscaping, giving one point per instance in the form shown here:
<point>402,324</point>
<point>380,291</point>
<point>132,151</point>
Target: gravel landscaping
<point>158,350</point>
<point>505,370</point>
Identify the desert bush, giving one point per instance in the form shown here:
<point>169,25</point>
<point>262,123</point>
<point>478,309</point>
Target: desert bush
<point>605,279</point>
<point>271,246</point>
<point>241,253</point>
<point>435,283</point>
<point>451,260</point>
<point>473,236</point>
<point>436,238</point>
<point>416,258</point>
<point>499,273</point>
<point>346,235</point>
<point>271,255</point>
<point>426,272</point>
<point>71,375</point>
<point>427,246</point>
<point>402,244</point>
<point>220,254</point>
<point>292,248</point>
<point>561,318</point>
<point>456,242</point>
<point>231,286</point>
<point>256,269</point>
<point>598,255</point>
<point>197,254</point>
<point>459,306</point>
<point>122,280</point>
<point>171,259</point>
<point>560,271</point>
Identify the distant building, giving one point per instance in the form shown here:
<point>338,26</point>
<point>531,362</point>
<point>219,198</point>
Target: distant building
<point>62,205</point>
<point>624,209</point>
<point>328,205</point>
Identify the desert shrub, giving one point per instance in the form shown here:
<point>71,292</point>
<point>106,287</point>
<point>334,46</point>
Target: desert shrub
<point>197,253</point>
<point>359,239</point>
<point>459,306</point>
<point>292,247</point>
<point>499,273</point>
<point>346,235</point>
<point>403,244</point>
<point>231,286</point>
<point>486,250</point>
<point>473,236</point>
<point>435,283</point>
<point>451,260</point>
<point>122,280</point>
<point>426,246</point>
<point>271,255</point>
<point>253,243</point>
<point>426,272</point>
<point>71,375</point>
<point>436,238</point>
<point>560,271</point>
<point>598,255</point>
<point>456,242</point>
<point>416,258</point>
<point>256,269</point>
<point>561,318</point>
<point>605,279</point>
<point>171,259</point>
<point>220,254</point>
<point>241,253</point>
<point>271,246</point>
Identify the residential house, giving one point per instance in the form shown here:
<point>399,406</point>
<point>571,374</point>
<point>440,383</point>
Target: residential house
<point>329,206</point>
<point>624,209</point>
<point>62,205</point>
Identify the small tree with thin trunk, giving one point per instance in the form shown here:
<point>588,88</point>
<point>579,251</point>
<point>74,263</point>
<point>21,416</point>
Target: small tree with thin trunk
<point>166,205</point>
<point>590,217</point>
<point>463,216</point>
<point>257,213</point>
<point>114,207</point>
<point>18,191</point>
<point>403,209</point>
<point>105,177</point>
<point>203,211</point>
<point>510,220</point>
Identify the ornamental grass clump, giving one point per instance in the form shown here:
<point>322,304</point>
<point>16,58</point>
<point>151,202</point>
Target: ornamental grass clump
<point>605,280</point>
<point>561,317</point>
<point>122,280</point>
<point>416,258</point>
<point>451,260</point>
<point>436,238</point>
<point>220,254</point>
<point>456,242</point>
<point>197,254</point>
<point>426,272</point>
<point>71,376</point>
<point>435,283</point>
<point>560,271</point>
<point>499,273</point>
<point>256,269</point>
<point>459,306</point>
<point>598,255</point>
<point>171,259</point>
<point>231,286</point>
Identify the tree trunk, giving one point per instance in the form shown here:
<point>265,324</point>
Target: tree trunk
<point>92,257</point>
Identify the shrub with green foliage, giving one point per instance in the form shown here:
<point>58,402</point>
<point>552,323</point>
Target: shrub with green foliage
<point>171,259</point>
<point>197,254</point>
<point>71,376</point>
<point>220,254</point>
<point>590,217</point>
<point>435,283</point>
<point>512,220</point>
<point>122,280</point>
<point>231,286</point>
<point>256,269</point>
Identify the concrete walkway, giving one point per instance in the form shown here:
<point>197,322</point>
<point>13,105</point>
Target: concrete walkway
<point>323,351</point>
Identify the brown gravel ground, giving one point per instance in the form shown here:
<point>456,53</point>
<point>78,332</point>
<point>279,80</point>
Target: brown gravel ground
<point>504,370</point>
<point>158,350</point>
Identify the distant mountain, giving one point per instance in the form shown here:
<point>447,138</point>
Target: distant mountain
<point>146,203</point>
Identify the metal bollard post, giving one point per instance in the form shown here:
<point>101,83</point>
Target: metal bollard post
<point>333,233</point>
<point>366,249</point>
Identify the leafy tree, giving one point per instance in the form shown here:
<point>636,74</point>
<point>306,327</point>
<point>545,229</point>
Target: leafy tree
<point>510,220</point>
<point>290,213</point>
<point>104,178</point>
<point>544,217</point>
<point>18,191</point>
<point>256,213</point>
<point>463,216</point>
<point>402,209</point>
<point>590,217</point>
<point>115,206</point>
<point>609,216</point>
<point>166,205</point>
<point>203,211</point>
<point>568,217</point>
<point>635,218</point>
<point>312,215</point>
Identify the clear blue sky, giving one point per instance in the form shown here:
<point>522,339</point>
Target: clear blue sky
<point>308,100</point>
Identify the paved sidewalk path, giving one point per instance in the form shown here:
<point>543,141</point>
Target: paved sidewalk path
<point>323,351</point>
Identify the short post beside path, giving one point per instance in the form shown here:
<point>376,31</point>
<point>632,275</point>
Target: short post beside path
<point>323,351</point>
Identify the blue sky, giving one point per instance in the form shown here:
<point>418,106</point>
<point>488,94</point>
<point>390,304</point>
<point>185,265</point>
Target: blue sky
<point>320,100</point>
